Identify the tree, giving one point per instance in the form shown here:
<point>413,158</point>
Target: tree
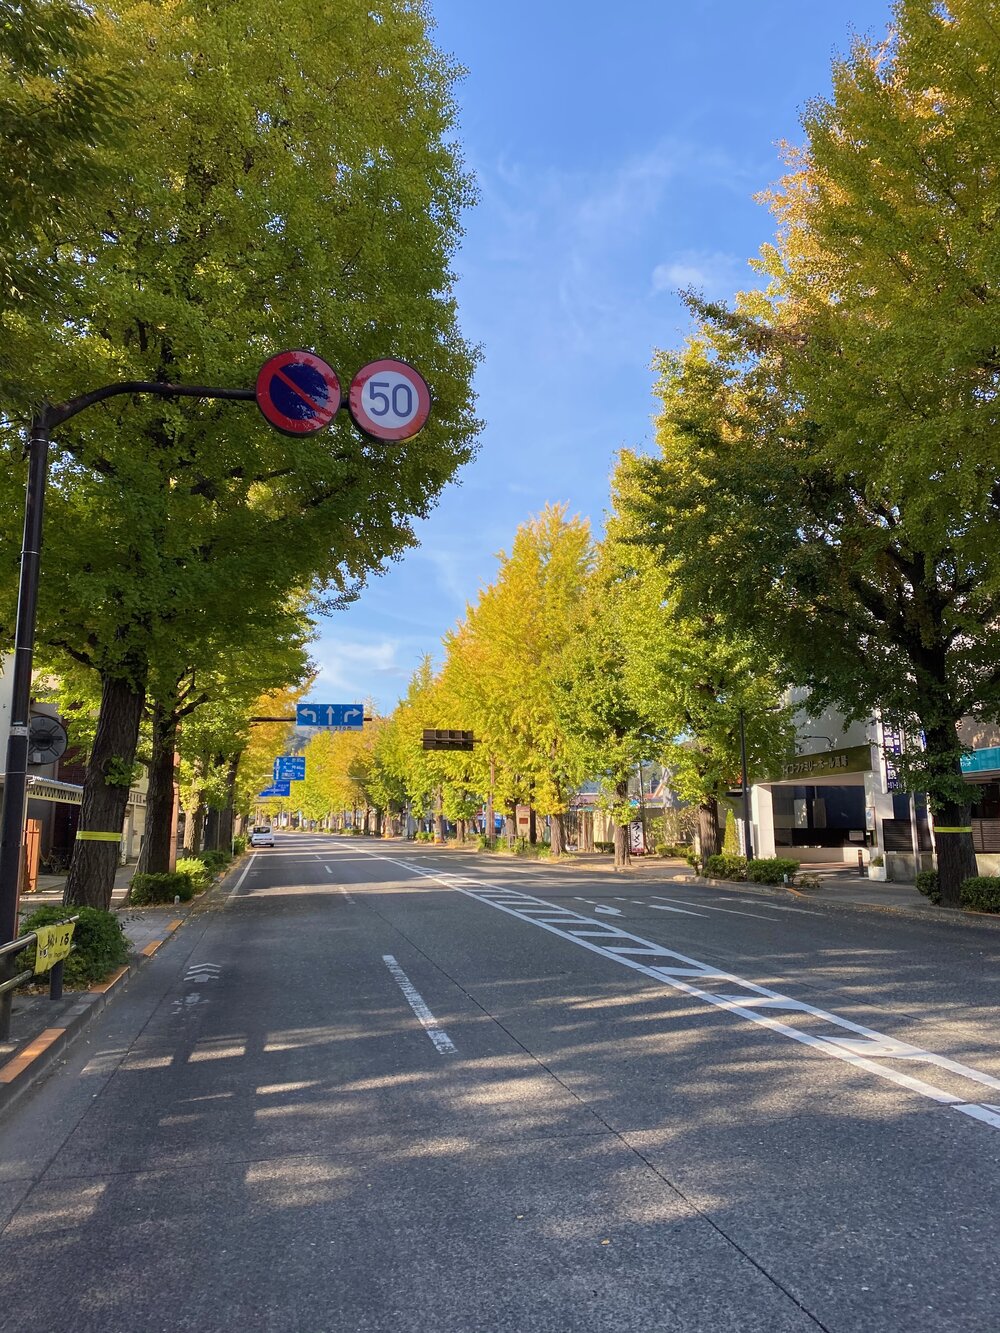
<point>829,479</point>
<point>317,170</point>
<point>503,660</point>
<point>689,676</point>
<point>59,106</point>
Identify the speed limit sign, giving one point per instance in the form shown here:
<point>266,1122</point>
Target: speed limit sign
<point>389,400</point>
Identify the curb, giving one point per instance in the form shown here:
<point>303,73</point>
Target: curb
<point>26,1067</point>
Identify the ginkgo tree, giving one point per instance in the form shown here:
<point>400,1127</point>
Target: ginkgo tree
<point>265,191</point>
<point>829,481</point>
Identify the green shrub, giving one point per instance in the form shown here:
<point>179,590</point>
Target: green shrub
<point>239,846</point>
<point>161,888</point>
<point>99,944</point>
<point>730,838</point>
<point>693,860</point>
<point>487,844</point>
<point>981,893</point>
<point>197,872</point>
<point>604,847</point>
<point>726,867</point>
<point>927,882</point>
<point>771,870</point>
<point>214,860</point>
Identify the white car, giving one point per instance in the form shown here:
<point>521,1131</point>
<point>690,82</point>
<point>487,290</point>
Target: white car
<point>261,836</point>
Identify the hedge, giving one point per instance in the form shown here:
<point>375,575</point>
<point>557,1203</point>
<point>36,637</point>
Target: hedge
<point>771,870</point>
<point>726,867</point>
<point>161,888</point>
<point>99,943</point>
<point>927,882</point>
<point>981,893</point>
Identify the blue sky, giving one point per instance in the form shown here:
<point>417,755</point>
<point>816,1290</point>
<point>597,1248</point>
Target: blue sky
<point>618,152</point>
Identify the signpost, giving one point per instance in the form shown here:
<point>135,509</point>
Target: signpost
<point>298,393</point>
<point>389,400</point>
<point>276,789</point>
<point>346,717</point>
<point>290,768</point>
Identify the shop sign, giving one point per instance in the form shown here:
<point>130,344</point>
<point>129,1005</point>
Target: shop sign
<point>828,763</point>
<point>986,760</point>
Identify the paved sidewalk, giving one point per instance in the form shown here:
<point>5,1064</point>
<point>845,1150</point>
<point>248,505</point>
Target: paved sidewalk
<point>51,888</point>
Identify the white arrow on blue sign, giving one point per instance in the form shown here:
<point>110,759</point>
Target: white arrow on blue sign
<point>290,767</point>
<point>350,717</point>
<point>277,789</point>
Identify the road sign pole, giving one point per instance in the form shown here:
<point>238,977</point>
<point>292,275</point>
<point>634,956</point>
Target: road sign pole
<point>15,785</point>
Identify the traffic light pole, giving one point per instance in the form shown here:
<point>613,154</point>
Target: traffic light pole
<point>15,785</point>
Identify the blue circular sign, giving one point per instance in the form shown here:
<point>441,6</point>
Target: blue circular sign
<point>298,392</point>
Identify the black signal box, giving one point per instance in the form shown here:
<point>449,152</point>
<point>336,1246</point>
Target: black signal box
<point>448,740</point>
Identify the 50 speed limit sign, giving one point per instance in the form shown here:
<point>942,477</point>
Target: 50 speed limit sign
<point>389,400</point>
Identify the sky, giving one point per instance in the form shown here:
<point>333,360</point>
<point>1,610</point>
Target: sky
<point>618,154</point>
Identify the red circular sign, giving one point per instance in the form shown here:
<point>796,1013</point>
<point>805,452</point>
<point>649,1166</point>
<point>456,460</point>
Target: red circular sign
<point>298,392</point>
<point>389,400</point>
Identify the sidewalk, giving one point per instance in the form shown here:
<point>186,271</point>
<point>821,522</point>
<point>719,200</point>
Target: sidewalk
<point>42,1028</point>
<point>51,887</point>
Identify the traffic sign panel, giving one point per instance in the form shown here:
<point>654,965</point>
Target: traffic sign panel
<point>277,789</point>
<point>389,400</point>
<point>290,767</point>
<point>298,392</point>
<point>348,716</point>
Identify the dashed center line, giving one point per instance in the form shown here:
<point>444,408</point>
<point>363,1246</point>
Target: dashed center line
<point>442,1042</point>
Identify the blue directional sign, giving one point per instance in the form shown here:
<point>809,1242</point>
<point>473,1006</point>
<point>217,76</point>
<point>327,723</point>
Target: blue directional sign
<point>277,789</point>
<point>290,768</point>
<point>349,717</point>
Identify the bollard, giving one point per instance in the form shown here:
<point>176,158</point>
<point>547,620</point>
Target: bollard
<point>56,980</point>
<point>862,868</point>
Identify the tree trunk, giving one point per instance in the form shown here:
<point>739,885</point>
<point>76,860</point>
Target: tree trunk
<point>709,833</point>
<point>490,829</point>
<point>510,823</point>
<point>532,826</point>
<point>91,878</point>
<point>156,844</point>
<point>956,856</point>
<point>586,831</point>
<point>198,827</point>
<point>558,835</point>
<point>212,830</point>
<point>623,854</point>
<point>227,815</point>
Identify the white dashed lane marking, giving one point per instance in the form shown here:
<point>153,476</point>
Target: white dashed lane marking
<point>442,1042</point>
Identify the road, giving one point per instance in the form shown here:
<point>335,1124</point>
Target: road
<point>379,1087</point>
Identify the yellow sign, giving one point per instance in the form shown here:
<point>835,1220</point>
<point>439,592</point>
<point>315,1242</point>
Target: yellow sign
<point>54,943</point>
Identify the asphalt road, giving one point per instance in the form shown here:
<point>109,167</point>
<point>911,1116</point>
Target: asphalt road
<point>378,1088</point>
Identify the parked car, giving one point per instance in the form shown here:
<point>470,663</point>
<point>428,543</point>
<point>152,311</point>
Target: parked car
<point>261,836</point>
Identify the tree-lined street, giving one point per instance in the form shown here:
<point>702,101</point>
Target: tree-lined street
<point>372,1086</point>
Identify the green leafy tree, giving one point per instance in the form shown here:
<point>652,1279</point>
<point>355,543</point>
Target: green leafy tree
<point>268,193</point>
<point>829,480</point>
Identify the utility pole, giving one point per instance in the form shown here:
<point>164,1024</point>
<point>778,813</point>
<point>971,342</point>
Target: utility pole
<point>490,819</point>
<point>747,832</point>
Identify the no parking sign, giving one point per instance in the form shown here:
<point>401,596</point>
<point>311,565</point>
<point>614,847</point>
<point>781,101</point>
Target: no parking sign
<point>298,392</point>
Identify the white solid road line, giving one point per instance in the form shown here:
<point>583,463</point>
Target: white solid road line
<point>861,1047</point>
<point>661,907</point>
<point>442,1042</point>
<point>731,910</point>
<point>239,883</point>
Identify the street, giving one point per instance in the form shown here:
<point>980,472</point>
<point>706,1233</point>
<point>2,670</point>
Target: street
<point>382,1086</point>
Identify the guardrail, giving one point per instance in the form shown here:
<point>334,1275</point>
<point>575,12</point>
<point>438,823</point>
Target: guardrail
<point>9,982</point>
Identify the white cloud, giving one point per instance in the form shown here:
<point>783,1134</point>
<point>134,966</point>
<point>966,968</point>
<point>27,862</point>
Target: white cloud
<point>711,272</point>
<point>356,669</point>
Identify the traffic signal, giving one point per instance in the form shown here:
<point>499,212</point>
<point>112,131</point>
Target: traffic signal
<point>448,740</point>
